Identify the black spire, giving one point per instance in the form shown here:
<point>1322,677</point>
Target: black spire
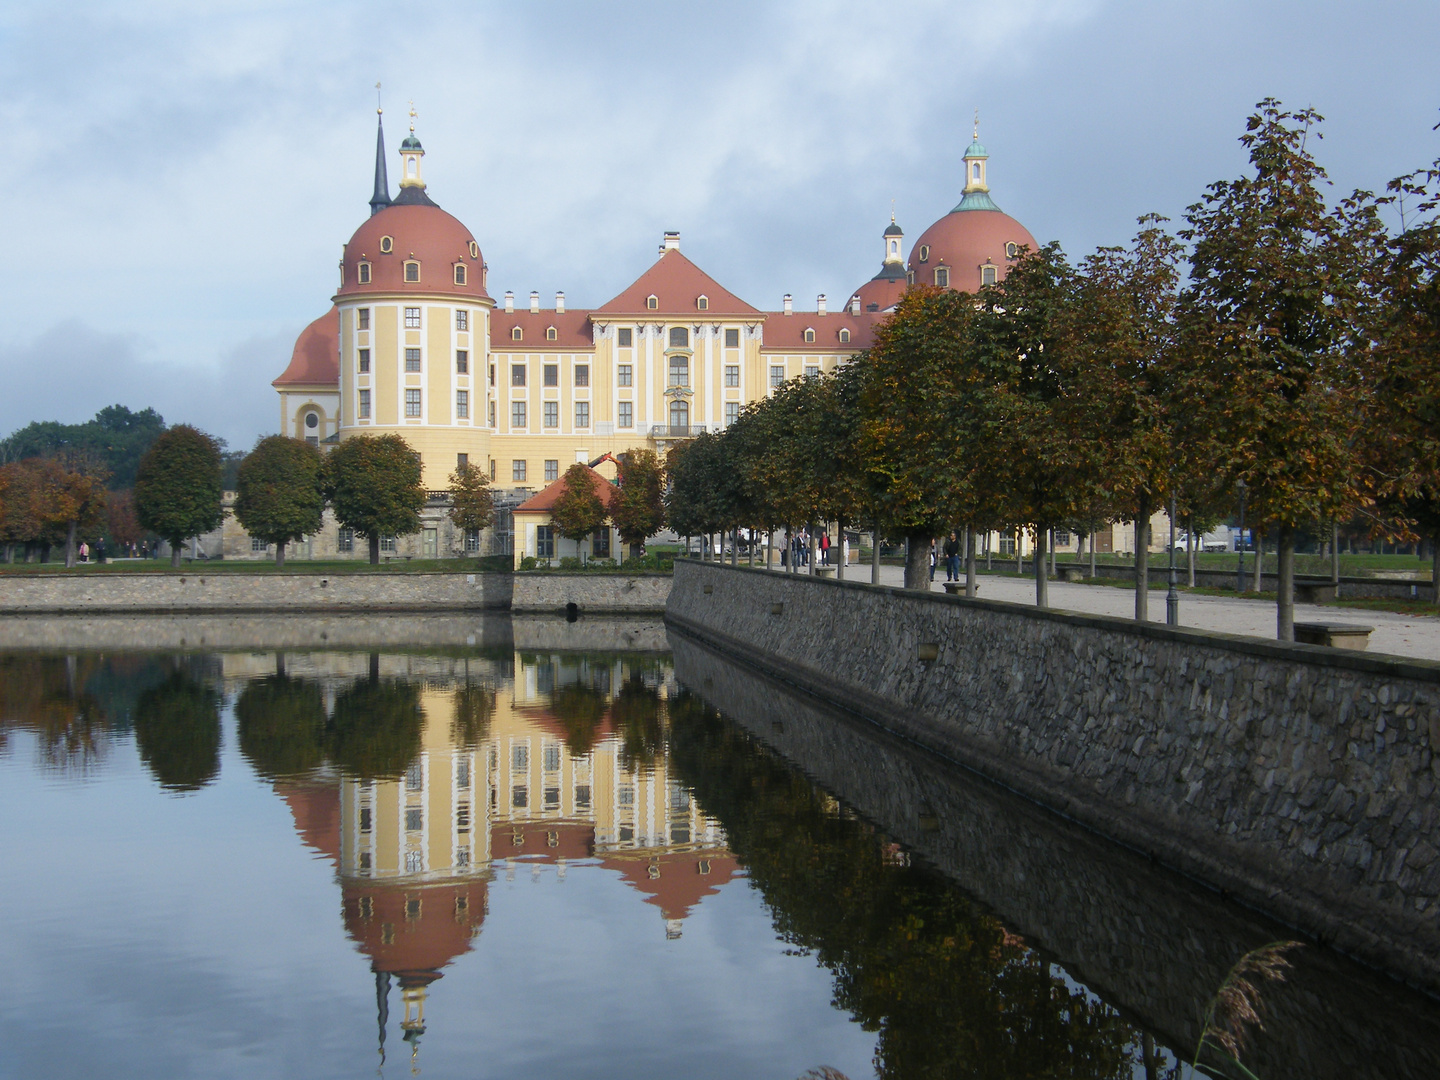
<point>381,199</point>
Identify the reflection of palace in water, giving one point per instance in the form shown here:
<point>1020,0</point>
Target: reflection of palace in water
<point>525,763</point>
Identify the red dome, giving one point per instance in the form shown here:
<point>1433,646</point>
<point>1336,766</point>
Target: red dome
<point>963,241</point>
<point>883,291</point>
<point>316,359</point>
<point>419,232</point>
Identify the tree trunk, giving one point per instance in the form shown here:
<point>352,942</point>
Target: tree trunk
<point>1080,547</point>
<point>1019,558</point>
<point>1042,579</point>
<point>1051,536</point>
<point>1142,559</point>
<point>70,546</point>
<point>1259,559</point>
<point>280,553</point>
<point>989,553</point>
<point>917,562</point>
<point>1335,557</point>
<point>175,549</point>
<point>839,549</point>
<point>1092,556</point>
<point>875,555</point>
<point>735,551</point>
<point>1285,587</point>
<point>814,547</point>
<point>969,561</point>
<point>375,550</point>
<point>1434,570</point>
<point>770,550</point>
<point>1190,555</point>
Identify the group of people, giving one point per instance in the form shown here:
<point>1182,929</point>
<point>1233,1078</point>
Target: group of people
<point>951,551</point>
<point>797,552</point>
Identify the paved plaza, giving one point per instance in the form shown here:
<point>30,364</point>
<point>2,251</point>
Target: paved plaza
<point>1398,635</point>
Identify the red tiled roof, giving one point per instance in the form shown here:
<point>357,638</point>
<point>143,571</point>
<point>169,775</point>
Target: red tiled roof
<point>544,501</point>
<point>435,239</point>
<point>316,359</point>
<point>677,283</point>
<point>572,330</point>
<point>677,885</point>
<point>787,332</point>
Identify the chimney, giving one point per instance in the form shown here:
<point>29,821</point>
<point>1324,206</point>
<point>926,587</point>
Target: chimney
<point>559,303</point>
<point>820,304</point>
<point>670,243</point>
<point>789,304</point>
<point>509,302</point>
<point>534,302</point>
<point>854,305</point>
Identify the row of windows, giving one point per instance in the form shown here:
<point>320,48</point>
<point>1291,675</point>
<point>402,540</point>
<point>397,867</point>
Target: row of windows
<point>412,404</point>
<point>412,273</point>
<point>412,318</point>
<point>545,549</point>
<point>550,375</point>
<point>989,274</point>
<point>412,361</point>
<point>551,414</point>
<point>1012,249</point>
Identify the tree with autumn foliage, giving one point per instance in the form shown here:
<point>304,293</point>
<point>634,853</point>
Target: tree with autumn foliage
<point>639,512</point>
<point>177,487</point>
<point>374,484</point>
<point>579,510</point>
<point>48,501</point>
<point>279,491</point>
<point>1270,320</point>
<point>472,505</point>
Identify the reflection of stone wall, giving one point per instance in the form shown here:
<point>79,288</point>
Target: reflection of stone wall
<point>1302,779</point>
<point>1149,942</point>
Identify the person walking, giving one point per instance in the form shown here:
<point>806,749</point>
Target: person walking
<point>952,558</point>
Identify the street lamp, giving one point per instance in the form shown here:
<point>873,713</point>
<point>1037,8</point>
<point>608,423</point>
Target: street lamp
<point>1172,598</point>
<point>1240,540</point>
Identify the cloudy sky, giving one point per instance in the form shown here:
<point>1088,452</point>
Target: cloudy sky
<point>181,176</point>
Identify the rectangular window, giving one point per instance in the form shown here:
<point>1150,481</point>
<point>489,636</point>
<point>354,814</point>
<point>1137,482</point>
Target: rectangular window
<point>552,374</point>
<point>545,541</point>
<point>987,275</point>
<point>364,361</point>
<point>364,318</point>
<point>462,404</point>
<point>517,414</point>
<point>412,318</point>
<point>811,371</point>
<point>462,320</point>
<point>582,414</point>
<point>732,339</point>
<point>364,404</point>
<point>732,411</point>
<point>552,414</point>
<point>582,374</point>
<point>517,374</point>
<point>582,797</point>
<point>387,543</point>
<point>493,467</point>
<point>492,374</point>
<point>520,798</point>
<point>492,414</point>
<point>345,541</point>
<point>414,819</point>
<point>551,757</point>
<point>600,544</point>
<point>363,271</point>
<point>365,819</point>
<point>415,777</point>
<point>679,371</point>
<point>412,359</point>
<point>412,402</point>
<point>552,470</point>
<point>777,375</point>
<point>462,812</point>
<point>732,374</point>
<point>942,277</point>
<point>679,337</point>
<point>517,471</point>
<point>624,377</point>
<point>462,361</point>
<point>625,337</point>
<point>519,758</point>
<point>256,544</point>
<point>552,798</point>
<point>627,414</point>
<point>472,540</point>
<point>462,461</point>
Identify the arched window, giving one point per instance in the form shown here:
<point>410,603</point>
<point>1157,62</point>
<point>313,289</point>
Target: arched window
<point>459,273</point>
<point>844,337</point>
<point>809,336</point>
<point>975,170</point>
<point>652,303</point>
<point>679,337</point>
<point>679,418</point>
<point>703,303</point>
<point>412,270</point>
<point>894,247</point>
<point>550,334</point>
<point>516,333</point>
<point>987,275</point>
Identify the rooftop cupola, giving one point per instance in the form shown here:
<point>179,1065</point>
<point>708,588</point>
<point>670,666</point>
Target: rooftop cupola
<point>977,190</point>
<point>894,235</point>
<point>410,154</point>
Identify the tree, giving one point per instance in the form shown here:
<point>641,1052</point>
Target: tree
<point>282,725</point>
<point>579,510</point>
<point>374,486</point>
<point>374,729</point>
<point>1268,320</point>
<point>121,524</point>
<point>177,730</point>
<point>472,506</point>
<point>279,494</point>
<point>117,438</point>
<point>177,487</point>
<point>639,512</point>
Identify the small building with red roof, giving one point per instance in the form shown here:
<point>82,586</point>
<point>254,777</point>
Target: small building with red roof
<point>537,537</point>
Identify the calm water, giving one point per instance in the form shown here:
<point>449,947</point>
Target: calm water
<point>521,854</point>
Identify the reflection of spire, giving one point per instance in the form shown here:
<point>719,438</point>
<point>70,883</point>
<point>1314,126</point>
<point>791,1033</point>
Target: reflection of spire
<point>382,1007</point>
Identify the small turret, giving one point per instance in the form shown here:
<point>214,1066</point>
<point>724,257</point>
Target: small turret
<point>410,154</point>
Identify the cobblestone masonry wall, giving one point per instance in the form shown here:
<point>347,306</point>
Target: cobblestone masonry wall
<point>1301,779</point>
<point>1153,944</point>
<point>548,592</point>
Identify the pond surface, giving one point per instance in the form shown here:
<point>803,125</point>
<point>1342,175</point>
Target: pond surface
<point>523,854</point>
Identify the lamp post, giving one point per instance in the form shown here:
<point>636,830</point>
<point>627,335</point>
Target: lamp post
<point>1240,540</point>
<point>1172,598</point>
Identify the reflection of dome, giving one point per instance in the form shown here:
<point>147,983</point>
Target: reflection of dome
<point>410,930</point>
<point>673,881</point>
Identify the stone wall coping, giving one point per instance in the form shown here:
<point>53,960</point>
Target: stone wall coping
<point>1316,655</point>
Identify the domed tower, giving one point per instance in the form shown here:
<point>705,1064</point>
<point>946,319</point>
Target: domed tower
<point>975,243</point>
<point>414,324</point>
<point>883,291</point>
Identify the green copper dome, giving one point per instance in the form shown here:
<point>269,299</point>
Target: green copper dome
<point>411,143</point>
<point>976,150</point>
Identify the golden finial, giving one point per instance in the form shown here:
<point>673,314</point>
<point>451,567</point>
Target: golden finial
<point>892,211</point>
<point>976,136</point>
<point>413,115</point>
<point>378,109</point>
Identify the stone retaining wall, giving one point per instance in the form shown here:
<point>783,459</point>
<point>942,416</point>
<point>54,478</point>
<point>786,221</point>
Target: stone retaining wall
<point>617,593</point>
<point>1301,779</point>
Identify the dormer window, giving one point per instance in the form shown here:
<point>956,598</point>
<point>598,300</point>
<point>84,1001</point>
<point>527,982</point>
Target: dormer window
<point>1012,250</point>
<point>363,273</point>
<point>987,275</point>
<point>702,303</point>
<point>844,337</point>
<point>550,334</point>
<point>809,336</point>
<point>516,334</point>
<point>652,303</point>
<point>474,250</point>
<point>679,337</point>
<point>412,270</point>
<point>924,253</point>
<point>942,277</point>
<point>387,245</point>
<point>459,273</point>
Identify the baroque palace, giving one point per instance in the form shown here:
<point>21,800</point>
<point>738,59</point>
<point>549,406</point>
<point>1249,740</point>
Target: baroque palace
<point>415,343</point>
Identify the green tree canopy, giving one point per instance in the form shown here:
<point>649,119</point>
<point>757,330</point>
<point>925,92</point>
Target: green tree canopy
<point>177,487</point>
<point>279,493</point>
<point>282,725</point>
<point>177,730</point>
<point>640,510</point>
<point>117,437</point>
<point>472,506</point>
<point>374,486</point>
<point>374,728</point>
<point>579,510</point>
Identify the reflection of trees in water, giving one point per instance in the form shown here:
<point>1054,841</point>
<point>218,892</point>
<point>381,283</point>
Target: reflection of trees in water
<point>581,712</point>
<point>48,695</point>
<point>374,728</point>
<point>950,992</point>
<point>474,707</point>
<point>637,717</point>
<point>281,724</point>
<point>177,729</point>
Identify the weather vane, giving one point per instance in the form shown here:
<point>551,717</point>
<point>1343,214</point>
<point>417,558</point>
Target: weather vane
<point>378,107</point>
<point>413,115</point>
<point>977,123</point>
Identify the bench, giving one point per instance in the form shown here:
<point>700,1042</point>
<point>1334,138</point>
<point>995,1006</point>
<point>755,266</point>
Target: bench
<point>824,571</point>
<point>957,588</point>
<point>1334,635</point>
<point>1314,592</point>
